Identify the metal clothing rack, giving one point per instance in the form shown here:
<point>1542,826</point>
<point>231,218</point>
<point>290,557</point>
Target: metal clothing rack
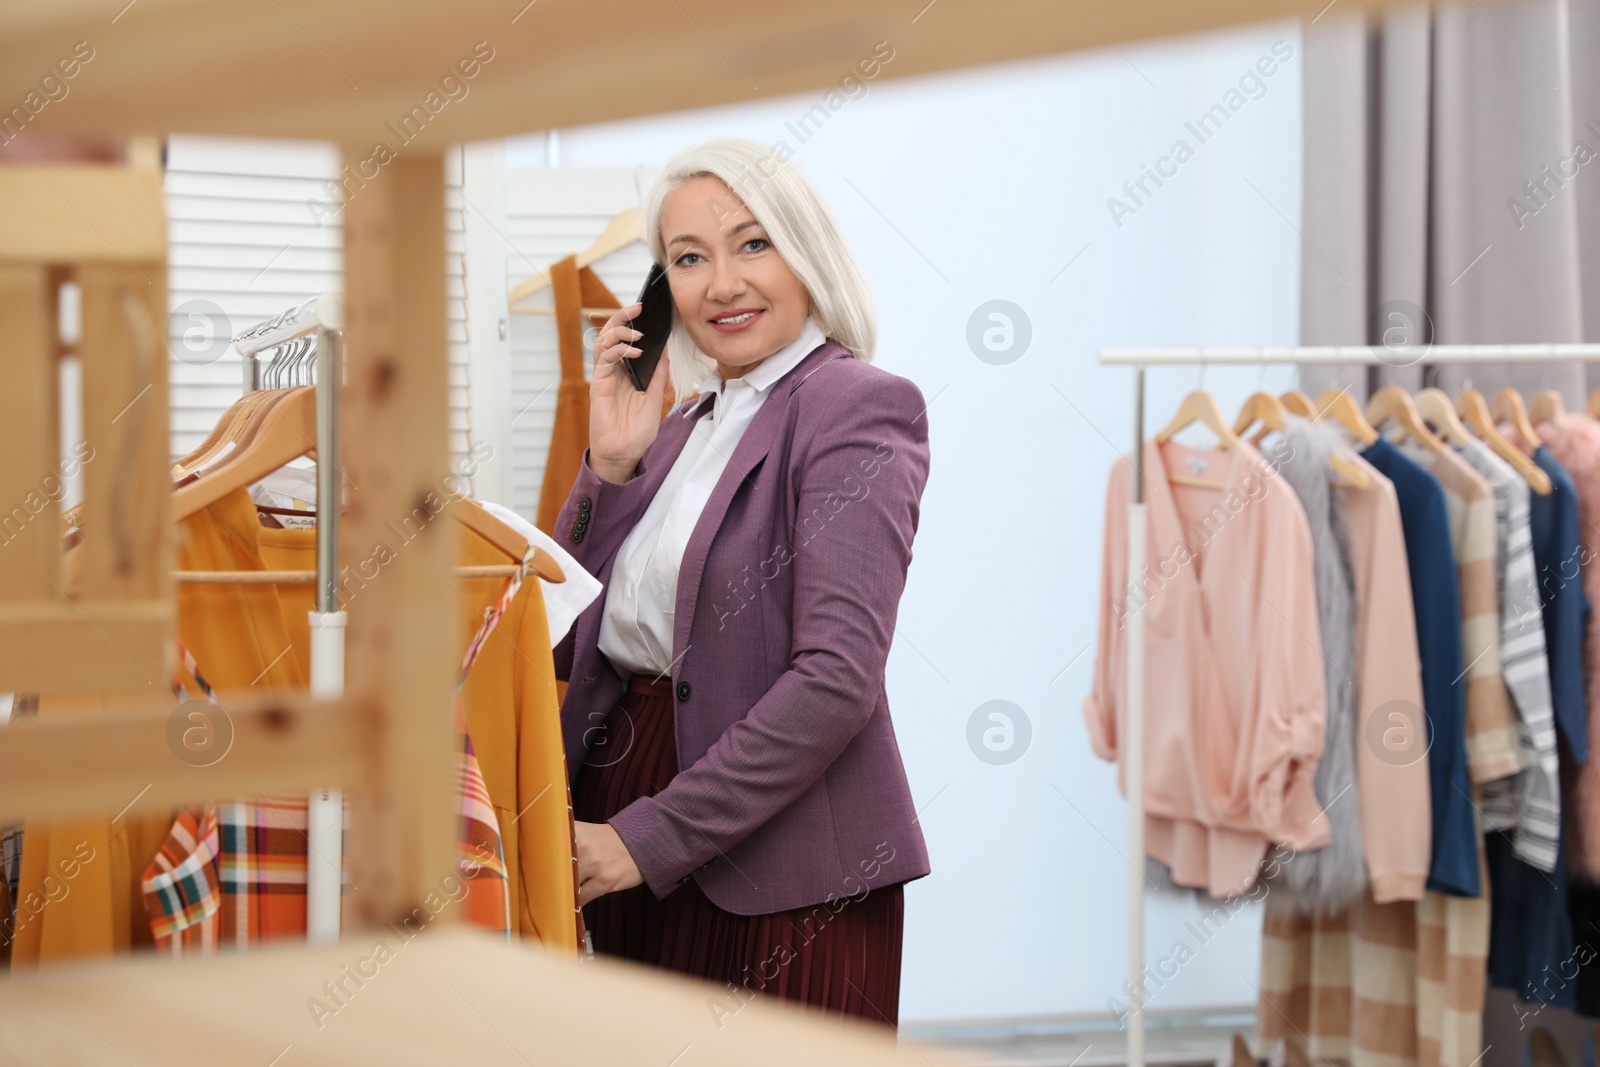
<point>1139,359</point>
<point>323,319</point>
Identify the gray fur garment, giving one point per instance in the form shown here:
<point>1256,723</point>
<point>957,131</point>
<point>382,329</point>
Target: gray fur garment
<point>1333,878</point>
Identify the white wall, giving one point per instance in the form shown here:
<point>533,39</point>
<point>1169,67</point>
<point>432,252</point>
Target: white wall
<point>966,188</point>
<point>252,231</point>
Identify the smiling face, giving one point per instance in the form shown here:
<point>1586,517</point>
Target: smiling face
<point>737,297</point>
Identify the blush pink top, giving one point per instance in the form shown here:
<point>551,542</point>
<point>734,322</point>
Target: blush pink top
<point>1391,730</point>
<point>1235,704</point>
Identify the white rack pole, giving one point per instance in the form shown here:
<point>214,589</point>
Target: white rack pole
<point>1354,355</point>
<point>323,316</point>
<point>1134,743</point>
<point>325,809</point>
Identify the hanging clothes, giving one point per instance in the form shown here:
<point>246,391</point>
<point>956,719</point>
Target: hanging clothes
<point>1229,607</point>
<point>1531,801</point>
<point>255,889</point>
<point>241,631</point>
<point>1557,550</point>
<point>1494,741</point>
<point>1575,445</point>
<point>1345,982</point>
<point>573,289</point>
<point>514,721</point>
<point>1331,878</point>
<point>1436,606</point>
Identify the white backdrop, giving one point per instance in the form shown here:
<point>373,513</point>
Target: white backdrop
<point>994,184</point>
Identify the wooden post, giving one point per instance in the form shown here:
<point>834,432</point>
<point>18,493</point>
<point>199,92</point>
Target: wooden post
<point>402,644</point>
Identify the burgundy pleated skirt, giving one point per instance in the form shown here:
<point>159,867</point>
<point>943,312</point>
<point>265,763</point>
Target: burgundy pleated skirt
<point>842,958</point>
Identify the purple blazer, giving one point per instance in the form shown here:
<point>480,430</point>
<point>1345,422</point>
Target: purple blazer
<point>790,791</point>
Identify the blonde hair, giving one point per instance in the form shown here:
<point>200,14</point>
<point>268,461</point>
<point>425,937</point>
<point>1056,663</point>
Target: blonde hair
<point>803,231</point>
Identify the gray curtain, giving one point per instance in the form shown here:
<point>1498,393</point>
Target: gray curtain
<point>1423,131</point>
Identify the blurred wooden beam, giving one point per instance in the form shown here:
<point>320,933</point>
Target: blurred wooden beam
<point>352,72</point>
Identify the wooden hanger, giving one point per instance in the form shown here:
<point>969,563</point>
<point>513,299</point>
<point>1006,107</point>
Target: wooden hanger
<point>1199,406</point>
<point>1342,408</point>
<point>1547,406</point>
<point>1435,408</point>
<point>1393,404</point>
<point>1475,413</point>
<point>287,431</point>
<point>1507,407</point>
<point>474,517</point>
<point>1594,404</point>
<point>625,229</point>
<point>1298,403</point>
<point>1264,408</point>
<point>1273,415</point>
<point>222,436</point>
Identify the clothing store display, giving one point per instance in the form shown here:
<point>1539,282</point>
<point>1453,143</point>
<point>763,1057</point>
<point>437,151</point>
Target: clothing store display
<point>841,955</point>
<point>258,872</point>
<point>1346,981</point>
<point>513,720</point>
<point>636,625</point>
<point>786,602</point>
<point>239,631</point>
<point>1530,802</point>
<point>1436,606</point>
<point>1252,733</point>
<point>1331,878</point>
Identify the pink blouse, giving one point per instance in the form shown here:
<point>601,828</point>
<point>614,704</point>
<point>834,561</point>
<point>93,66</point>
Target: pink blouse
<point>1234,697</point>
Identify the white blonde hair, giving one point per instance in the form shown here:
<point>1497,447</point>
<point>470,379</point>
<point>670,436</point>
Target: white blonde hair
<point>803,231</point>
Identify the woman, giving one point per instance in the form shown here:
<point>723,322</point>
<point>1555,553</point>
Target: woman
<point>742,813</point>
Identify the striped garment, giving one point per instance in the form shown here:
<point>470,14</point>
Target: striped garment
<point>1378,985</point>
<point>1494,737</point>
<point>1532,801</point>
<point>234,873</point>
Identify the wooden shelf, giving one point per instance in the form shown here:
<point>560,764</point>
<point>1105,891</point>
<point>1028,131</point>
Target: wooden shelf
<point>343,71</point>
<point>449,996</point>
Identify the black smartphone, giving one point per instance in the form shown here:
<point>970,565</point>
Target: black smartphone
<point>655,322</point>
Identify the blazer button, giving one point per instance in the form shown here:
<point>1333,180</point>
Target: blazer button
<point>577,534</point>
<point>584,505</point>
<point>684,691</point>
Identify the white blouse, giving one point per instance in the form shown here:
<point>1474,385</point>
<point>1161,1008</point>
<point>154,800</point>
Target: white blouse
<point>641,598</point>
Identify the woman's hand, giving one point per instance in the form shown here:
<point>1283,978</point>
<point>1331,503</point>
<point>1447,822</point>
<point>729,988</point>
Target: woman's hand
<point>604,863</point>
<point>622,420</point>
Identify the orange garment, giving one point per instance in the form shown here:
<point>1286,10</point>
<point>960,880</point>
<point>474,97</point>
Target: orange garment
<point>574,289</point>
<point>80,879</point>
<point>514,721</point>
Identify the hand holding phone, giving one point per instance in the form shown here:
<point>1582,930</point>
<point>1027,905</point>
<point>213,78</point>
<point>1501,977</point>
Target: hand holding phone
<point>625,416</point>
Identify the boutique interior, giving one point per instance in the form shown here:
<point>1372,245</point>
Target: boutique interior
<point>1244,667</point>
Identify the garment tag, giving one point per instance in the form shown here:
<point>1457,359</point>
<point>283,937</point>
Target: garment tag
<point>1196,464</point>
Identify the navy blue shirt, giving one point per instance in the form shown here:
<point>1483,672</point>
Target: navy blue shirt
<point>1436,602</point>
<point>1553,521</point>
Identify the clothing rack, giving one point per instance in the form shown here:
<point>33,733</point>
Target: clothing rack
<point>323,318</point>
<point>1139,359</point>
